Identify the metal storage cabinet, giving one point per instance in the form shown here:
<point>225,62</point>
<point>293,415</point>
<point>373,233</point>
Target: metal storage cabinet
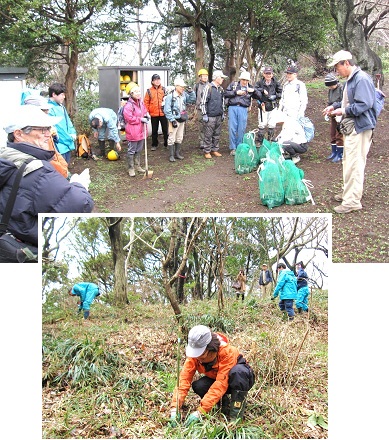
<point>112,79</point>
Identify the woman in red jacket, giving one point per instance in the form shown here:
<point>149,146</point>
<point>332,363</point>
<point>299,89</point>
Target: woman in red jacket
<point>225,372</point>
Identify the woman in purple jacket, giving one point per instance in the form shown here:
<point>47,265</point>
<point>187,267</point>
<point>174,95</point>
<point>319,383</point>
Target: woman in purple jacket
<point>136,118</point>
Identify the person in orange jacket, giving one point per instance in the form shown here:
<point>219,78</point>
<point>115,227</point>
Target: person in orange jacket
<point>153,102</point>
<point>225,372</point>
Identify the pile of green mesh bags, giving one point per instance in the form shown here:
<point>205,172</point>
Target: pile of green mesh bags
<point>280,180</point>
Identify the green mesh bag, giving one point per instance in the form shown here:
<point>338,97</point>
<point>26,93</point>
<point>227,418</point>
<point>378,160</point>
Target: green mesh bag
<point>296,193</point>
<point>271,189</point>
<point>245,161</point>
<point>249,139</point>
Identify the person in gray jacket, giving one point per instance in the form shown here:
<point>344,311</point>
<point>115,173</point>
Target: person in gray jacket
<point>212,109</point>
<point>359,118</point>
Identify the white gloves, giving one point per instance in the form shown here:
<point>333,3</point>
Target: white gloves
<point>83,178</point>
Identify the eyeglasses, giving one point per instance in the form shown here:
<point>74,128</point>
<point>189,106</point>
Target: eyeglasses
<point>43,130</point>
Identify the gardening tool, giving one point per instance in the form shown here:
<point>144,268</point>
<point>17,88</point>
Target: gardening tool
<point>148,174</point>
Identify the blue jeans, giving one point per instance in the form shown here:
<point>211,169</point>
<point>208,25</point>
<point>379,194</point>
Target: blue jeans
<point>237,123</point>
<point>287,305</point>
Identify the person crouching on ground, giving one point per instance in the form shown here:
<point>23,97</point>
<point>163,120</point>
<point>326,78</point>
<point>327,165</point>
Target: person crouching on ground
<point>302,288</point>
<point>87,293</point>
<point>136,118</point>
<point>225,371</point>
<point>175,112</point>
<point>287,289</point>
<point>104,122</point>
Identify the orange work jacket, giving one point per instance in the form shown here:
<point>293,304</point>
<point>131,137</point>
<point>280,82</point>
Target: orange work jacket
<point>227,358</point>
<point>153,102</point>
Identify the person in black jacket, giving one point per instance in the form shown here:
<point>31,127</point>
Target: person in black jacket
<point>42,189</point>
<point>212,108</point>
<point>271,91</point>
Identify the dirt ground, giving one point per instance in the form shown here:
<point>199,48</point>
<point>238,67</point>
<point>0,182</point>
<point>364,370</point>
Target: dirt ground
<point>198,185</point>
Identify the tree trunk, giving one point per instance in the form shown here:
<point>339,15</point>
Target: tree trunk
<point>353,38</point>
<point>199,48</point>
<point>115,228</point>
<point>70,80</point>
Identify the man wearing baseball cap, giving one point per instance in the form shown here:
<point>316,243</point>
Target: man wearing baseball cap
<point>225,371</point>
<point>294,98</point>
<point>42,189</point>
<point>271,91</point>
<point>359,119</point>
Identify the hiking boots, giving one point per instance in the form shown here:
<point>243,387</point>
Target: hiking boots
<point>216,154</point>
<point>208,156</point>
<point>341,209</point>
<point>238,404</point>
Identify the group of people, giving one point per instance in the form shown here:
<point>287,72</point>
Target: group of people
<point>290,287</point>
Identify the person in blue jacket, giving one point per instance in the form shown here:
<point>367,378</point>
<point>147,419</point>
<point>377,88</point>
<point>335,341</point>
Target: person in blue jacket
<point>302,288</point>
<point>287,289</point>
<point>66,132</point>
<point>87,293</point>
<point>104,122</point>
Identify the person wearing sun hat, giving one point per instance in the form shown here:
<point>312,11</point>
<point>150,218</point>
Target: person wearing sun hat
<point>225,371</point>
<point>294,98</point>
<point>359,119</point>
<point>42,189</point>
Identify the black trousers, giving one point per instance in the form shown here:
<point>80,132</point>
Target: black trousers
<point>292,148</point>
<point>155,120</point>
<point>241,377</point>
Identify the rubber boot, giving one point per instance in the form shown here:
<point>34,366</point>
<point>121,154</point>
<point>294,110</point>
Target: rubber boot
<point>339,155</point>
<point>270,134</point>
<point>238,404</point>
<point>137,163</point>
<point>102,148</point>
<point>111,144</point>
<point>226,403</point>
<point>177,151</point>
<point>260,136</point>
<point>131,170</point>
<point>333,152</point>
<point>171,152</point>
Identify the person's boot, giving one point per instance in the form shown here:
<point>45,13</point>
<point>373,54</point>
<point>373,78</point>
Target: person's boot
<point>137,163</point>
<point>111,144</point>
<point>177,151</point>
<point>238,404</point>
<point>171,152</point>
<point>260,136</point>
<point>270,134</point>
<point>339,155</point>
<point>131,169</point>
<point>102,148</point>
<point>226,403</point>
<point>333,152</point>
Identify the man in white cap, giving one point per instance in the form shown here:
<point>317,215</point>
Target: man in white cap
<point>239,95</point>
<point>225,372</point>
<point>42,189</point>
<point>359,118</point>
<point>212,109</point>
<point>176,114</point>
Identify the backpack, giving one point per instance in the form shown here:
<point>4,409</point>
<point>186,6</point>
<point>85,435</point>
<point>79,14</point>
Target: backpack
<point>379,102</point>
<point>84,148</point>
<point>309,128</point>
<point>121,121</point>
